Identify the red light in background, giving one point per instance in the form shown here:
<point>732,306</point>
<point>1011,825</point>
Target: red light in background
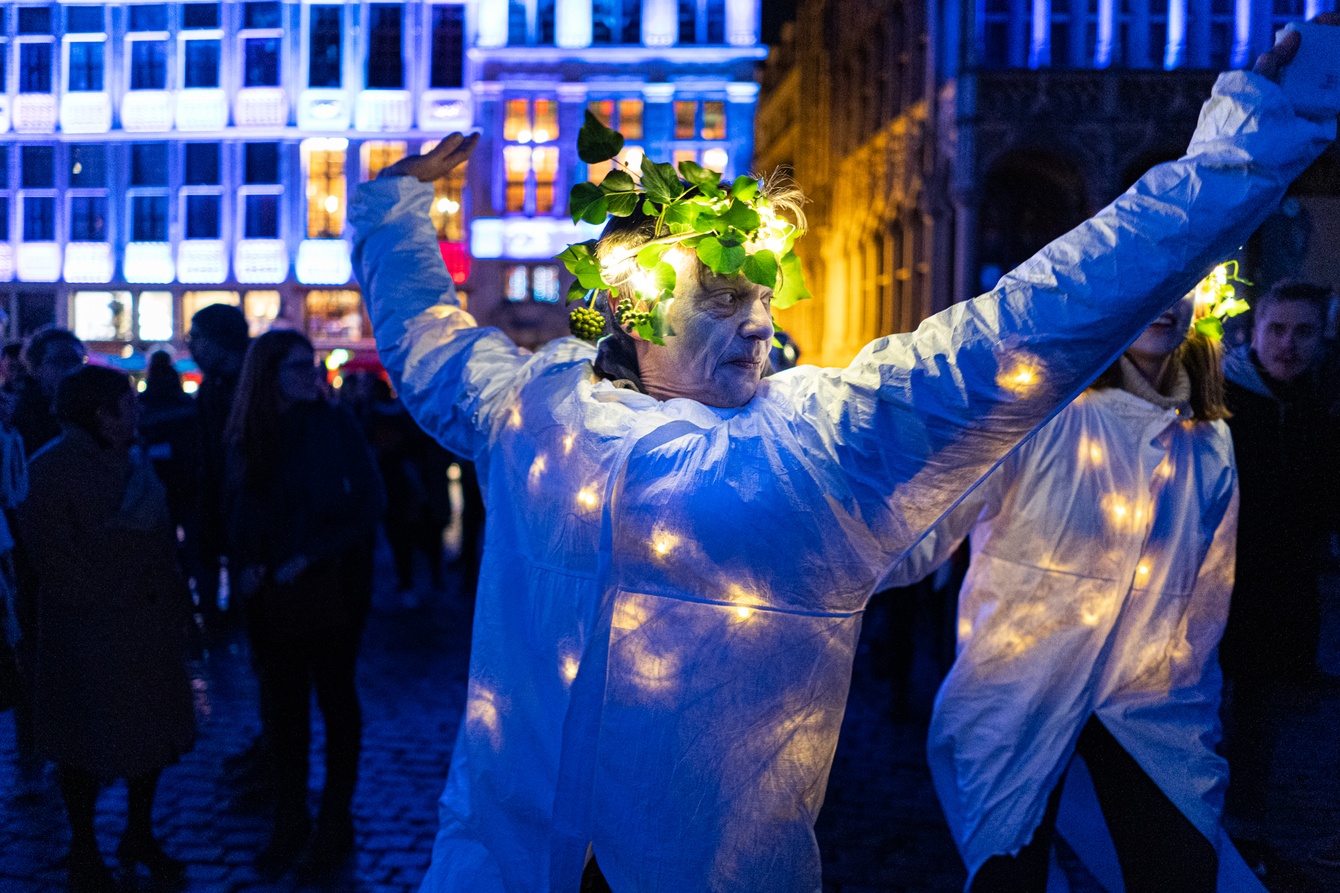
<point>457,260</point>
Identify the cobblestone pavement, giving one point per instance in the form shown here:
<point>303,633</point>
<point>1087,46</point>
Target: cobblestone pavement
<point>880,830</point>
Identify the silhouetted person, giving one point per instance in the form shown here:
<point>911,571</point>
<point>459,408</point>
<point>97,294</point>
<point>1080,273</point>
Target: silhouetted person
<point>304,501</point>
<point>1285,443</point>
<point>112,698</point>
<point>170,429</point>
<point>218,342</point>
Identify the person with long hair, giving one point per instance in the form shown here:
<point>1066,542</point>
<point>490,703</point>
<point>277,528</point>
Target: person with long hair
<point>111,696</point>
<point>1088,624</point>
<point>303,500</point>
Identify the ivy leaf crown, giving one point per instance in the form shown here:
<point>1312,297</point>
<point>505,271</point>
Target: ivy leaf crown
<point>1217,300</point>
<point>738,228</point>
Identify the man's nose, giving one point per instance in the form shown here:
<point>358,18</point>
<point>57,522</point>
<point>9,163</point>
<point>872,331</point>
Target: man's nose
<point>758,323</point>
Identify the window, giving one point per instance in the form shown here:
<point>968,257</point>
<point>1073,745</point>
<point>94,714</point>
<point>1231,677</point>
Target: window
<point>200,63</point>
<point>261,308</point>
<point>38,168</point>
<point>530,170</point>
<point>4,218</point>
<point>530,22</point>
<point>335,314</point>
<point>1221,33</point>
<point>147,41</point>
<point>153,315</point>
<point>84,20</point>
<point>260,163</point>
<point>323,51</point>
<point>4,55</point>
<point>148,17</point>
<point>101,315</point>
<point>261,192</point>
<point>200,15</point>
<point>386,69</point>
<point>324,162</point>
<point>34,66</point>
<point>35,20</point>
<point>88,193</point>
<point>1158,33</point>
<point>995,33</point>
<point>625,116</point>
<point>448,46</point>
<point>39,218</point>
<point>261,38</point>
<point>86,66</point>
<point>4,189</point>
<point>202,195</point>
<point>531,283</point>
<point>379,154</point>
<point>448,198</point>
<point>702,21</point>
<point>148,192</point>
<point>148,65</point>
<point>616,21</point>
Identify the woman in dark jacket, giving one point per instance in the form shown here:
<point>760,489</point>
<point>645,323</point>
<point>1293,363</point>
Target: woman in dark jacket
<point>112,697</point>
<point>303,500</point>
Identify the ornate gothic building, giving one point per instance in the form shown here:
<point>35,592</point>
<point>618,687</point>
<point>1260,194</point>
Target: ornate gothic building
<point>942,144</point>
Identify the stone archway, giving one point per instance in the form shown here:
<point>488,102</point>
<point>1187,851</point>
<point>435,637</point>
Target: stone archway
<point>1029,197</point>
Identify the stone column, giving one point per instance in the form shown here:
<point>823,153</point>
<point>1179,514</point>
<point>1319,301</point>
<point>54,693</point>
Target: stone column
<point>572,23</point>
<point>660,23</point>
<point>571,112</point>
<point>742,21</point>
<point>487,181</point>
<point>658,120</point>
<point>741,99</point>
<point>491,23</point>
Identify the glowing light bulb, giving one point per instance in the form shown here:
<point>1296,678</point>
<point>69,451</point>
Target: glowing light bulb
<point>568,442</point>
<point>743,613</point>
<point>570,667</point>
<point>586,497</point>
<point>1142,570</point>
<point>1022,377</point>
<point>541,136</point>
<point>523,136</point>
<point>332,204</point>
<point>447,206</point>
<point>337,358</point>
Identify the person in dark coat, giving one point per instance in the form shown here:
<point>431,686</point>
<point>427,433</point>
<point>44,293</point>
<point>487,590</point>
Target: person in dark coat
<point>48,356</point>
<point>304,501</point>
<point>112,696</point>
<point>218,342</point>
<point>1285,443</point>
<point>170,429</point>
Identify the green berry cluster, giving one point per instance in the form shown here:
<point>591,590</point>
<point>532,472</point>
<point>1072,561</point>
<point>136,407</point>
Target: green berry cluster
<point>628,317</point>
<point>586,323</point>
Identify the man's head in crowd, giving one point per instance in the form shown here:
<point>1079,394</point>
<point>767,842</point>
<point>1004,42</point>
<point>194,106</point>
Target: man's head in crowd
<point>218,339</point>
<point>101,402</point>
<point>11,362</point>
<point>1288,327</point>
<point>51,355</point>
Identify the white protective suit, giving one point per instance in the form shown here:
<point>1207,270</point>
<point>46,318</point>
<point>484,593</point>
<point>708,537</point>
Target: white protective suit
<point>671,594</point>
<point>1102,565</point>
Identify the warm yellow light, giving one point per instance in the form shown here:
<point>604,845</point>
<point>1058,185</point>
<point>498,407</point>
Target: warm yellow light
<point>332,204</point>
<point>142,386</point>
<point>743,613</point>
<point>541,136</point>
<point>567,443</point>
<point>1021,377</point>
<point>514,417</point>
<point>570,666</point>
<point>586,497</point>
<point>337,358</point>
<point>447,206</point>
<point>1143,570</point>
<point>190,386</point>
<point>964,627</point>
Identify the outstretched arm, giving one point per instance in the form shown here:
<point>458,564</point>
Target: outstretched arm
<point>453,375</point>
<point>916,420</point>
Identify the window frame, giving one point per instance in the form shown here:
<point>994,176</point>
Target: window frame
<point>315,201</point>
<point>187,191</point>
<point>405,49</point>
<point>24,40</point>
<point>50,192</point>
<point>531,267</point>
<point>306,36</point>
<point>67,47</point>
<point>428,26</point>
<point>525,138</point>
<point>187,36</point>
<point>245,34</point>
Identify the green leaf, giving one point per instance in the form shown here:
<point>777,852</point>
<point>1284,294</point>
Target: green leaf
<point>686,212</point>
<point>791,287</point>
<point>577,292</point>
<point>596,142</point>
<point>587,202</point>
<point>661,182</point>
<point>618,181</point>
<point>1211,327</point>
<point>761,267</point>
<point>744,188</point>
<point>663,274</point>
<point>650,256</point>
<point>621,204</point>
<point>645,331</point>
<point>577,254</point>
<point>649,209</point>
<point>721,256</point>
<point>707,180</point>
<point>741,217</point>
<point>660,320</point>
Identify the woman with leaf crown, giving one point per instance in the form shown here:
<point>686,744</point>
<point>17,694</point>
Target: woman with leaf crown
<point>679,550</point>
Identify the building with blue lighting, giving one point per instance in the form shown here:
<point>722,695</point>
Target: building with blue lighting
<point>158,157</point>
<point>945,142</point>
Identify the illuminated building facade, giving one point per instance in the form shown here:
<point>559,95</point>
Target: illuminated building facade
<point>944,144</point>
<point>157,157</point>
<point>676,77</point>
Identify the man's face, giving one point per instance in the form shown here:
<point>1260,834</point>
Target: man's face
<point>211,356</point>
<point>719,349</point>
<point>1287,338</point>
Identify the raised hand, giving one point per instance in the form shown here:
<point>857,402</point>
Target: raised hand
<point>446,156</point>
<point>1281,54</point>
